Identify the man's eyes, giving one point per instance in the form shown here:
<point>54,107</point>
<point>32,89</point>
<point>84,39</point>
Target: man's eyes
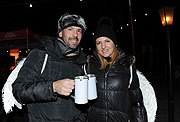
<point>80,31</point>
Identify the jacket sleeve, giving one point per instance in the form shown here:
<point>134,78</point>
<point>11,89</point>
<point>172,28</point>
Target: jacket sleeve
<point>29,86</point>
<point>136,98</point>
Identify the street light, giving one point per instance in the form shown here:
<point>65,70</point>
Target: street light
<point>166,14</point>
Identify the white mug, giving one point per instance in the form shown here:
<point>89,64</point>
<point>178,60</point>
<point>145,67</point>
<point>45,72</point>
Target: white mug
<point>81,90</point>
<point>92,90</point>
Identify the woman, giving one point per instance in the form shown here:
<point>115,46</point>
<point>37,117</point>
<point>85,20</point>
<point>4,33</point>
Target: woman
<point>112,69</point>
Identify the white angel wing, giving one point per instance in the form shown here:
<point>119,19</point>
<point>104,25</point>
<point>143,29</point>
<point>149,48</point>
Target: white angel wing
<point>149,97</point>
<point>7,96</point>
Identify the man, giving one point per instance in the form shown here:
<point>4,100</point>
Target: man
<point>47,93</point>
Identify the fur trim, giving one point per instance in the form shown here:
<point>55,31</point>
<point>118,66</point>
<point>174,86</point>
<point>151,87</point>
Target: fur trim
<point>67,20</point>
<point>127,60</point>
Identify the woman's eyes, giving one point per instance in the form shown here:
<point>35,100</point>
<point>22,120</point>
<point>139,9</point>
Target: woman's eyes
<point>97,43</point>
<point>107,40</point>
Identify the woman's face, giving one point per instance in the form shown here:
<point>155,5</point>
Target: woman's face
<point>105,46</point>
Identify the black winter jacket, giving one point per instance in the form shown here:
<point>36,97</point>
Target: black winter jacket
<point>112,104</point>
<point>35,89</point>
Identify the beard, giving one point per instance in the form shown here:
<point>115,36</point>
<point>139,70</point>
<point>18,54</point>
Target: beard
<point>74,45</point>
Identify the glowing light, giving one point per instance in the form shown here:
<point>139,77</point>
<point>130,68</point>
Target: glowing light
<point>15,53</point>
<point>30,5</point>
<point>167,19</point>
<point>166,15</point>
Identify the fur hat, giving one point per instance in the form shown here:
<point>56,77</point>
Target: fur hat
<point>104,29</point>
<point>67,20</point>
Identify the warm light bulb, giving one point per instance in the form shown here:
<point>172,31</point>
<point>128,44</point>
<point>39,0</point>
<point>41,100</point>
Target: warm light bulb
<point>167,19</point>
<point>30,5</point>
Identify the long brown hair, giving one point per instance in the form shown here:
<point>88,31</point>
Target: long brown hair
<point>104,62</point>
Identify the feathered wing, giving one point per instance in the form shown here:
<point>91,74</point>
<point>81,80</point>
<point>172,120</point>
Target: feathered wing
<point>149,97</point>
<point>7,96</point>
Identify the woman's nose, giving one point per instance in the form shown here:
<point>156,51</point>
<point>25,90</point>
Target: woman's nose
<point>103,45</point>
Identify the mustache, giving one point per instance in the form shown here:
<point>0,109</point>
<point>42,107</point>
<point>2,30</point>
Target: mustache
<point>74,39</point>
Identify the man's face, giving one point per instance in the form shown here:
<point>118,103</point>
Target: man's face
<point>72,36</point>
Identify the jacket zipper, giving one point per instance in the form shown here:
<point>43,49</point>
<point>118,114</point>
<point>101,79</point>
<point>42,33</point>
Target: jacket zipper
<point>105,94</point>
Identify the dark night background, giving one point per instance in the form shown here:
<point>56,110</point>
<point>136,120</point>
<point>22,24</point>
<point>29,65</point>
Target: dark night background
<point>150,38</point>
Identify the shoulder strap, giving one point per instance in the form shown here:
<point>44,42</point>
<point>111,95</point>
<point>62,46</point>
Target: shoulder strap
<point>131,76</point>
<point>87,71</point>
<point>44,63</point>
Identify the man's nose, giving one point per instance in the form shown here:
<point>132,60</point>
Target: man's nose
<point>75,33</point>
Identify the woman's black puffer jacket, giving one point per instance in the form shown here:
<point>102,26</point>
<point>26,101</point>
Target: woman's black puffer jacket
<point>35,89</point>
<point>112,102</point>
